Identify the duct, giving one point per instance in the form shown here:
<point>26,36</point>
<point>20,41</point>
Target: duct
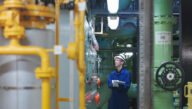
<point>125,33</point>
<point>105,42</point>
<point>124,4</point>
<point>19,87</point>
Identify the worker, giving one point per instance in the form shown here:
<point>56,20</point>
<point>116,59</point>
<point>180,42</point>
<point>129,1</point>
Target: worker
<point>119,81</point>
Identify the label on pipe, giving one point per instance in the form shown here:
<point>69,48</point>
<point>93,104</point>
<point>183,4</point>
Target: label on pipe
<point>163,37</point>
<point>58,49</point>
<point>82,6</point>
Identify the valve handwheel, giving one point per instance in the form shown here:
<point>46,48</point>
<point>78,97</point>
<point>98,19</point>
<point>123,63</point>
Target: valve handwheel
<point>170,76</point>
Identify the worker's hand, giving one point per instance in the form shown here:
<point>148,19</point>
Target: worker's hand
<point>115,83</point>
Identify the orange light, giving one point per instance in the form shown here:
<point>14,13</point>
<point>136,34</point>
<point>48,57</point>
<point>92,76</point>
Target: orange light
<point>98,81</point>
<point>97,98</point>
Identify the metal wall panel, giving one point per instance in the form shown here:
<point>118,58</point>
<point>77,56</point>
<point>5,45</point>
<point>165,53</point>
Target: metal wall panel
<point>145,54</point>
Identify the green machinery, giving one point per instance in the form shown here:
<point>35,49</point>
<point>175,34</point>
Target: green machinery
<point>163,48</point>
<point>168,76</point>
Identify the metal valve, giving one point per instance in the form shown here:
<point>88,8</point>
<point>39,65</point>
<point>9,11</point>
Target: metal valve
<point>170,76</point>
<point>69,6</point>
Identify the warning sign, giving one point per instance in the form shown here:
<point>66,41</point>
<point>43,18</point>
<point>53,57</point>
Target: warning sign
<point>163,37</point>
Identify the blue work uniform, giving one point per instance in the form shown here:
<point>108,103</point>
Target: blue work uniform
<point>119,98</point>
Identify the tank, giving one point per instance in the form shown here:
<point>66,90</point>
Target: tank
<point>19,88</point>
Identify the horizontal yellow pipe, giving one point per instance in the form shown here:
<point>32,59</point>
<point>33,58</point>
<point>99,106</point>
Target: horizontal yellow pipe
<point>3,18</point>
<point>64,1</point>
<point>15,49</point>
<point>49,50</point>
<point>66,99</point>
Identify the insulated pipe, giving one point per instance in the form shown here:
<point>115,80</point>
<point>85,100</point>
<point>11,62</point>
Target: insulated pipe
<point>163,49</point>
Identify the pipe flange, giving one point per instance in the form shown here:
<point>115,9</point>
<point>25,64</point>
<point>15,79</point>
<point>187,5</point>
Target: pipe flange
<point>37,16</point>
<point>48,73</point>
<point>15,31</point>
<point>164,19</point>
<point>72,51</point>
<point>13,4</point>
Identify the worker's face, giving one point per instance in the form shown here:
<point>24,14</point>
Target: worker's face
<point>118,62</point>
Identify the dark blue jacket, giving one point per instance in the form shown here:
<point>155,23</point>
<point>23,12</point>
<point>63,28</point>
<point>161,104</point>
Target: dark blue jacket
<point>119,98</point>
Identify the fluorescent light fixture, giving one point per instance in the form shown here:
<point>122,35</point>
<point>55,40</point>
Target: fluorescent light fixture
<point>113,22</point>
<point>113,6</point>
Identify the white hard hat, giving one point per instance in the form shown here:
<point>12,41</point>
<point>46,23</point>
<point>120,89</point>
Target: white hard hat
<point>120,56</point>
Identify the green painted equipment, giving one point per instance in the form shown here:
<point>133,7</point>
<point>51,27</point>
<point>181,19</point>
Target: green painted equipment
<point>163,48</point>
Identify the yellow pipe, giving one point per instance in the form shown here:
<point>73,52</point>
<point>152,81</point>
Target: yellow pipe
<point>78,51</point>
<point>77,23</point>
<point>15,48</point>
<point>65,1</point>
<point>81,91</point>
<point>66,99</point>
<point>81,59</point>
<point>82,67</point>
<point>2,18</point>
<point>57,20</point>
<point>49,50</point>
<point>57,3</point>
<point>187,94</point>
<point>46,92</point>
<point>21,50</point>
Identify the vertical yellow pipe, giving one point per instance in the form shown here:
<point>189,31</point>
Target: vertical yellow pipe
<point>81,41</point>
<point>57,56</point>
<point>46,91</point>
<point>77,23</point>
<point>81,91</point>
<point>82,66</point>
<point>14,42</point>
